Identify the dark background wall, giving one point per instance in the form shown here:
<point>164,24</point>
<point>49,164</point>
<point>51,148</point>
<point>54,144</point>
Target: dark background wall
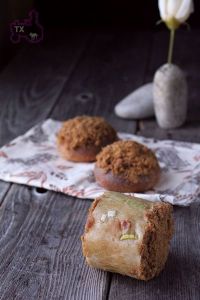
<point>9,11</point>
<point>132,14</point>
<point>139,14</point>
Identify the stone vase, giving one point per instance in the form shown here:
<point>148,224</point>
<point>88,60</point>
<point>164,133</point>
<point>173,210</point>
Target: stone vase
<point>170,93</point>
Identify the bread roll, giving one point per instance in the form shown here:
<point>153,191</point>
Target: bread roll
<point>128,235</point>
<point>80,139</point>
<point>127,167</point>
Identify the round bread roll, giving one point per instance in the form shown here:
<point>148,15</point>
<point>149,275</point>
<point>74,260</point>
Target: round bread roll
<point>128,235</point>
<point>127,166</point>
<point>80,139</point>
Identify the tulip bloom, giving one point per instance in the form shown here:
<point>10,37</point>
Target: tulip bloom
<point>174,13</point>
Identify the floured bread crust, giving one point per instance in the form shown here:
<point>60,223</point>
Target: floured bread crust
<point>128,235</point>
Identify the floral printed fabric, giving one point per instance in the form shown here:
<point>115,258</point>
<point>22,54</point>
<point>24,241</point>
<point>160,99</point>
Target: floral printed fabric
<point>33,159</point>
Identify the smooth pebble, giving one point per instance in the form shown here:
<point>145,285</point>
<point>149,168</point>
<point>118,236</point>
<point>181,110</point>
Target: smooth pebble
<point>138,104</point>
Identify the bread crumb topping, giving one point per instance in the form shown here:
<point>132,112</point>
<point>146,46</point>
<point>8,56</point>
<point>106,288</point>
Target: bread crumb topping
<point>129,159</point>
<point>85,131</point>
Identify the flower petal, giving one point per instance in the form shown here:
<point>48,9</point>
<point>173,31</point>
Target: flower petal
<point>172,8</point>
<point>162,4</point>
<point>184,11</point>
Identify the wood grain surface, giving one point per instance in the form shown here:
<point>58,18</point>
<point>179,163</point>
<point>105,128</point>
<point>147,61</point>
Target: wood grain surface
<point>72,73</point>
<point>33,81</point>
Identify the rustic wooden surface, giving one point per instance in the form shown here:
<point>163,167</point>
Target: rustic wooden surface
<point>73,73</point>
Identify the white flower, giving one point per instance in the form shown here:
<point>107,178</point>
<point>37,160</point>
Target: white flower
<point>175,12</point>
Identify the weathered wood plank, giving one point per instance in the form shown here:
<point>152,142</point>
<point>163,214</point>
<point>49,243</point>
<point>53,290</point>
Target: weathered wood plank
<point>40,248</point>
<point>4,187</point>
<point>114,66</point>
<point>58,271</point>
<point>32,82</point>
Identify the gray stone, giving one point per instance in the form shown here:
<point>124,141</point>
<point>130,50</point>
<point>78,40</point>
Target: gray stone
<point>170,94</point>
<point>138,104</point>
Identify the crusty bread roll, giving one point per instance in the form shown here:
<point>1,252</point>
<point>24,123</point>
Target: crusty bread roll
<point>121,184</point>
<point>127,166</point>
<point>128,235</point>
<point>80,139</point>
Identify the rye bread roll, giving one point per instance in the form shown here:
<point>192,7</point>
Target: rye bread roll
<point>80,139</point>
<point>127,166</point>
<point>128,235</point>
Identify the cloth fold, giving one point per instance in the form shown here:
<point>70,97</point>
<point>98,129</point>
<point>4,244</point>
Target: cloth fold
<point>33,159</point>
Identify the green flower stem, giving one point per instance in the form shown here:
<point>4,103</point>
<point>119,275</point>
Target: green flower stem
<point>171,45</point>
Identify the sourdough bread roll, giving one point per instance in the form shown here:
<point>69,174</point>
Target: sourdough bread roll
<point>128,235</point>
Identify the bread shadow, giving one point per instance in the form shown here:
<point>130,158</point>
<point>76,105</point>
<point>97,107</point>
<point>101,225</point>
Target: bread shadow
<point>176,280</point>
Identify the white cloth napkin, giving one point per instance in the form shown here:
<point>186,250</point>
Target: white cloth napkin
<point>33,159</point>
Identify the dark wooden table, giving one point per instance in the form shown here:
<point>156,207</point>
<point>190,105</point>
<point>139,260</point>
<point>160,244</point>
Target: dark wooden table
<point>87,72</point>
